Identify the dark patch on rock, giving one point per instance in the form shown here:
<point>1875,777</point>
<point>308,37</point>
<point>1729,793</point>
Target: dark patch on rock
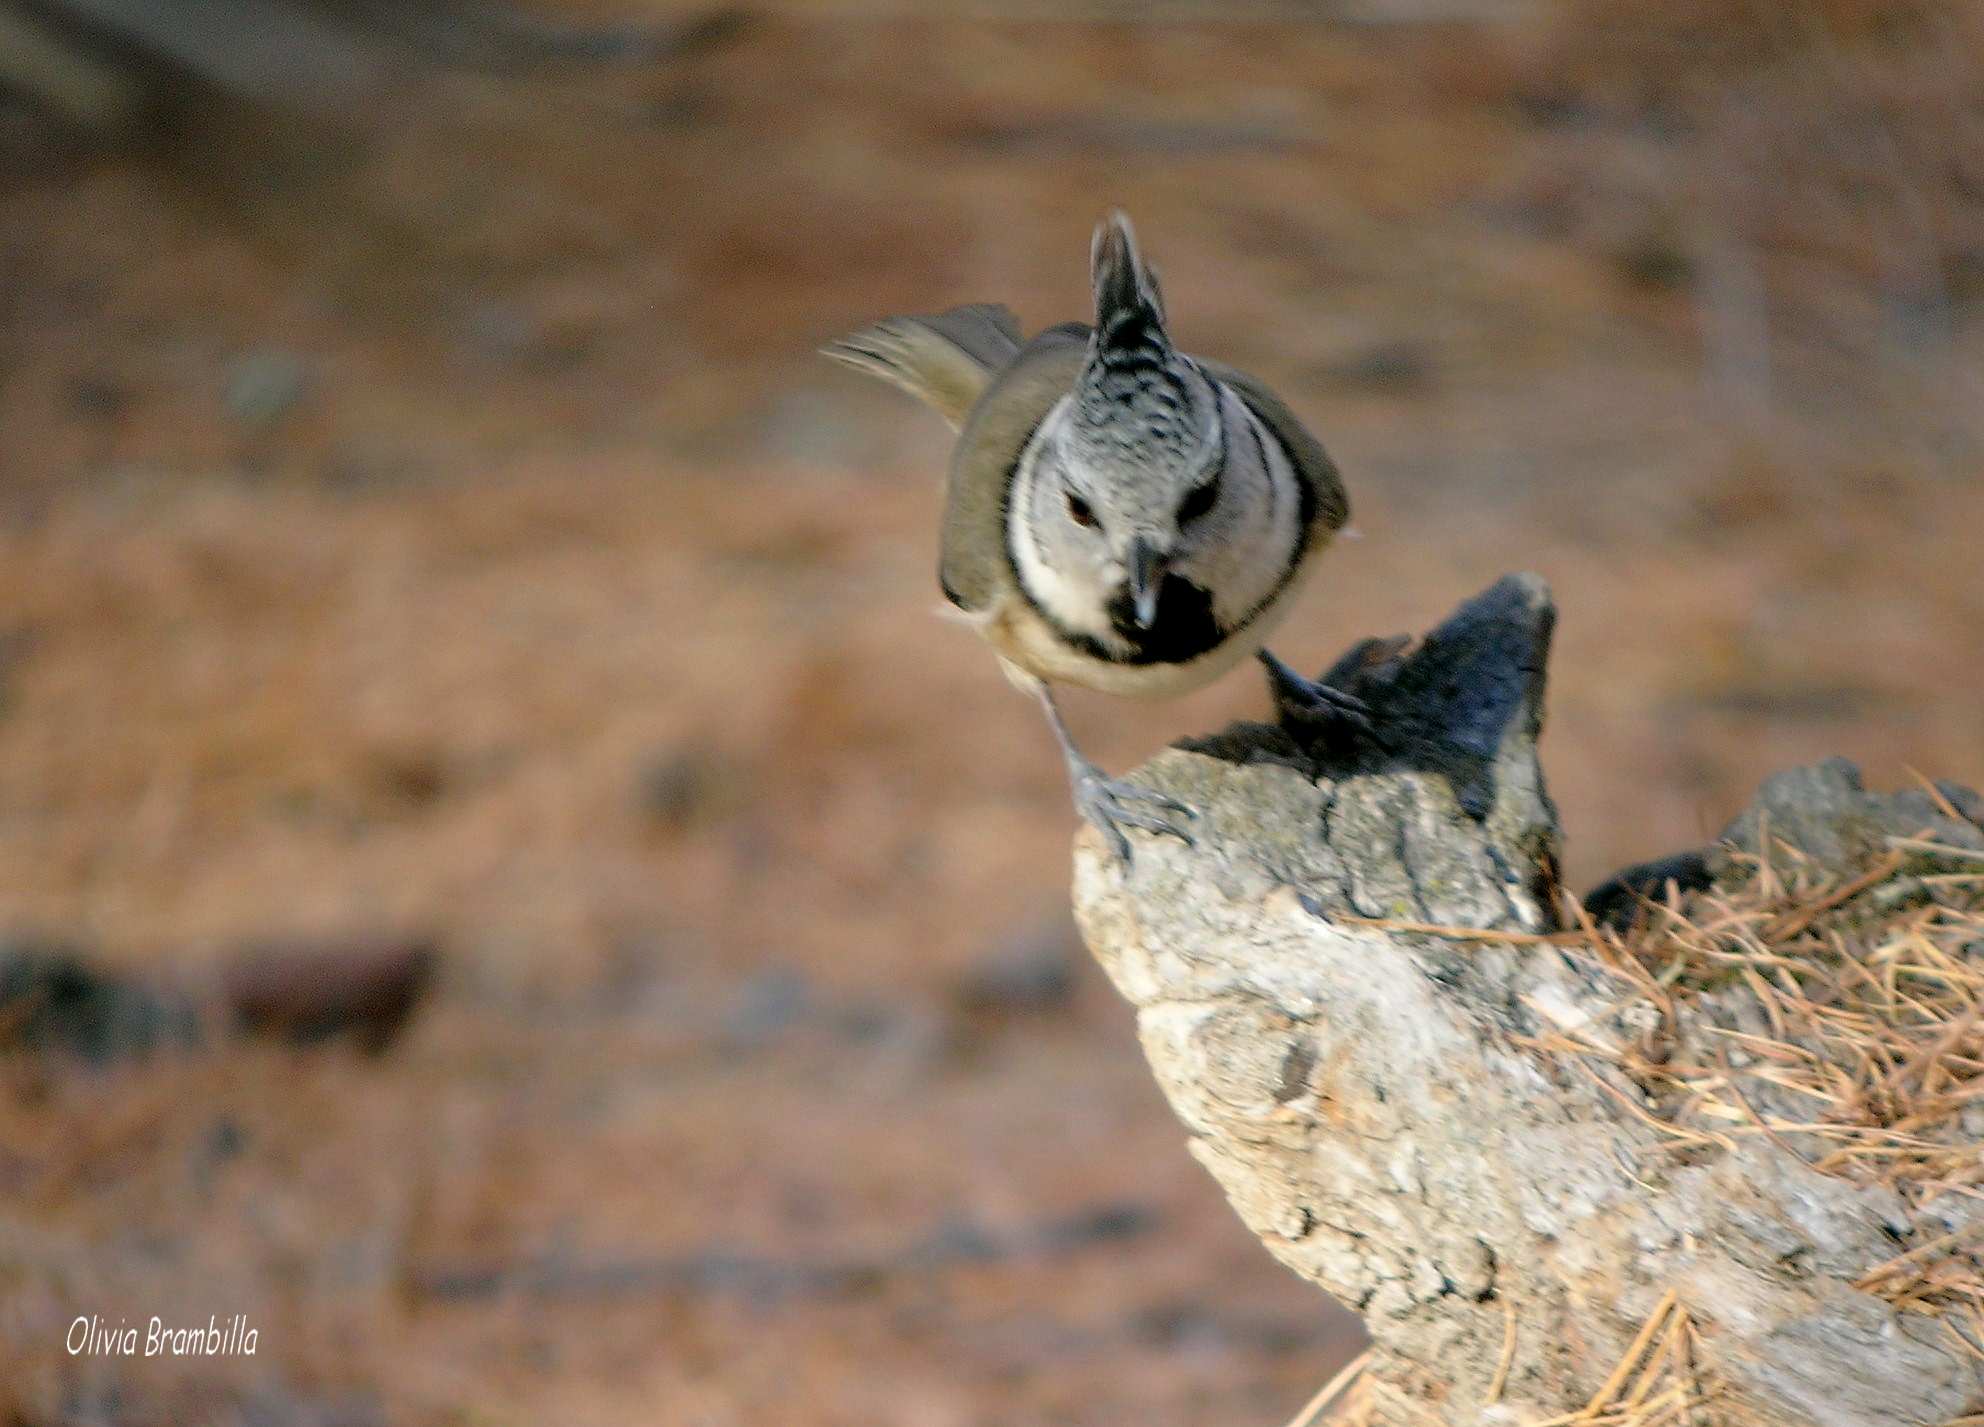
<point>1245,743</point>
<point>1450,704</point>
<point>1464,705</point>
<point>1447,705</point>
<point>1618,901</point>
<point>1295,1069</point>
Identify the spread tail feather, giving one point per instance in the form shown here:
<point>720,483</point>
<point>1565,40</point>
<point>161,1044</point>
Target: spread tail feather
<point>945,359</point>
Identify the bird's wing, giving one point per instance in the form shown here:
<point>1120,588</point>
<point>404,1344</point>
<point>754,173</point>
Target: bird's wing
<point>973,566</point>
<point>1330,503</point>
<point>945,359</point>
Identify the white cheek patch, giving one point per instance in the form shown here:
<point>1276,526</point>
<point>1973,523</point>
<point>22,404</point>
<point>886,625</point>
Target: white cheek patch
<point>1067,602</point>
<point>1069,597</point>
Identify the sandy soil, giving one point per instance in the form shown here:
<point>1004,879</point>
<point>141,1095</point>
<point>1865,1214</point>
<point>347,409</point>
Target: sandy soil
<point>434,519</point>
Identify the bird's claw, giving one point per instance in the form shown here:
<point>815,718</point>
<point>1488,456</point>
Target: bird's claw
<point>1104,803</point>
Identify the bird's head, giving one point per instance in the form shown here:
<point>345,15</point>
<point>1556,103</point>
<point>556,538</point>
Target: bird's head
<point>1126,488</point>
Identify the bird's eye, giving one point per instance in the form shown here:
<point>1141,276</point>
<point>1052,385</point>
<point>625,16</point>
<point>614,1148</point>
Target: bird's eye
<point>1079,511</point>
<point>1198,500</point>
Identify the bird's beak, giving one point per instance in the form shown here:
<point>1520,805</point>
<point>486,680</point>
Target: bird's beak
<point>1145,571</point>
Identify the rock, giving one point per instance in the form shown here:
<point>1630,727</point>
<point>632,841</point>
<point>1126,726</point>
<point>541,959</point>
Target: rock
<point>52,1000</point>
<point>1456,722</point>
<point>363,987</point>
<point>1967,801</point>
<point>1349,991</point>
<point>1825,812</point>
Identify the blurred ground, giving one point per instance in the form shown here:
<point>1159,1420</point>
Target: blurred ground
<point>431,517</point>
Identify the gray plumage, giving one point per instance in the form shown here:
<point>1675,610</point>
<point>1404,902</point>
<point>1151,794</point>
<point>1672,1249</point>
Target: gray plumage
<point>1137,403</point>
<point>1119,515</point>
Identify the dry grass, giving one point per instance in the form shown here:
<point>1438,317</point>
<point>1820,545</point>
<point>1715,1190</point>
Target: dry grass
<point>1657,1382</point>
<point>1839,1017</point>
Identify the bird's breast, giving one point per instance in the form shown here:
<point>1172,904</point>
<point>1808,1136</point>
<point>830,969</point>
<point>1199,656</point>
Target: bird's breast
<point>1017,630</point>
<point>1183,629</point>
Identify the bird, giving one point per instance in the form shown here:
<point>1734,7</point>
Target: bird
<point>1119,515</point>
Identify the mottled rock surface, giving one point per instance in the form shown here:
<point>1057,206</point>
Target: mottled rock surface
<point>1373,1102</point>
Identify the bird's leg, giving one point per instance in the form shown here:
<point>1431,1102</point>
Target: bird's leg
<point>1311,704</point>
<point>1105,802</point>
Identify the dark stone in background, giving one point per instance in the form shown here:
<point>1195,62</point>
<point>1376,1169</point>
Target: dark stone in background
<point>52,1000</point>
<point>363,986</point>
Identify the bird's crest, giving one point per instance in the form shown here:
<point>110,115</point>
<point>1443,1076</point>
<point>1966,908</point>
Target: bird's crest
<point>1137,400</point>
<point>1129,306</point>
